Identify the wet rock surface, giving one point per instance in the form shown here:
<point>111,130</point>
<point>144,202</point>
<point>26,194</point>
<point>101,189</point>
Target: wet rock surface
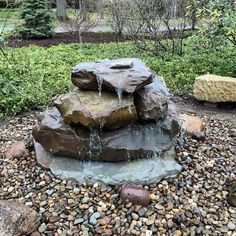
<point>112,173</point>
<point>93,110</point>
<point>193,203</point>
<point>121,75</point>
<point>152,101</point>
<point>17,219</point>
<point>128,143</point>
<point>132,136</point>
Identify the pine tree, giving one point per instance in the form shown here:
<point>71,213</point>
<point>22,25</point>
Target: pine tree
<point>37,19</point>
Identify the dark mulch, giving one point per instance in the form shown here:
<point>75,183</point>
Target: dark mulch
<point>88,37</point>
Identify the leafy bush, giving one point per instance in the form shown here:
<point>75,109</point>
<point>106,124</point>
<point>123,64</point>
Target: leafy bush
<point>34,75</point>
<point>219,18</point>
<point>37,19</point>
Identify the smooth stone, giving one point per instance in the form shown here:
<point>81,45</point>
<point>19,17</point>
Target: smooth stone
<point>93,110</point>
<point>152,100</point>
<point>107,172</point>
<point>108,75</point>
<point>42,228</point>
<point>17,219</point>
<point>93,220</point>
<point>78,221</point>
<point>213,88</point>
<point>135,194</point>
<point>128,143</point>
<point>231,226</point>
<point>142,211</point>
<point>96,215</point>
<point>170,223</point>
<point>134,216</point>
<point>177,233</point>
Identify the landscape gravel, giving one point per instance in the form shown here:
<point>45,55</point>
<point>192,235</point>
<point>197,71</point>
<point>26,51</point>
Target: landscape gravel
<point>193,203</point>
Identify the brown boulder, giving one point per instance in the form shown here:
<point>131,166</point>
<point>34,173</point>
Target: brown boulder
<point>17,150</point>
<point>121,75</point>
<point>151,101</point>
<point>128,143</point>
<point>192,124</point>
<point>16,219</point>
<point>91,110</point>
<point>135,194</point>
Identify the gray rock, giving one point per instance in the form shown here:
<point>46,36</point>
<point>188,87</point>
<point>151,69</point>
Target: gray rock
<point>78,221</point>
<point>96,215</point>
<point>107,172</point>
<point>142,211</point>
<point>42,228</point>
<point>231,226</point>
<point>152,101</point>
<point>118,75</point>
<point>134,216</point>
<point>93,221</point>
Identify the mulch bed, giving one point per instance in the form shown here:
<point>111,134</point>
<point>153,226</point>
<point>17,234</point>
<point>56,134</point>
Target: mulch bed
<point>88,37</point>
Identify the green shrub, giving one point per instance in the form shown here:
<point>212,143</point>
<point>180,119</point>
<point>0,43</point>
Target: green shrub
<point>37,20</point>
<point>34,75</point>
<point>219,17</point>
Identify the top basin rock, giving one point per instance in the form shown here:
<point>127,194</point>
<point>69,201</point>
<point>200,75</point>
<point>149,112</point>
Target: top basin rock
<point>127,74</point>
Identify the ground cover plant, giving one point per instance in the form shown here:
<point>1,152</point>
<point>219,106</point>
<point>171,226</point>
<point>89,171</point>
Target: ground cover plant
<point>31,76</point>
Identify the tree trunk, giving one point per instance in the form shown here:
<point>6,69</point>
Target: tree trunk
<point>61,10</point>
<point>194,19</point>
<point>100,9</point>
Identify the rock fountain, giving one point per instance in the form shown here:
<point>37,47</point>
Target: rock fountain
<point>114,127</point>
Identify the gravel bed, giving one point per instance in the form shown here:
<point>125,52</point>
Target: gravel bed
<point>194,203</point>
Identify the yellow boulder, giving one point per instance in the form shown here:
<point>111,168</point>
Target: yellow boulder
<point>213,88</point>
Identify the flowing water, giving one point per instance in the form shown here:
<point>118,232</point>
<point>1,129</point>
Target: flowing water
<point>95,144</point>
<point>100,82</point>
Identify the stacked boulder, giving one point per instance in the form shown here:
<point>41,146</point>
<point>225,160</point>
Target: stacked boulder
<point>118,111</point>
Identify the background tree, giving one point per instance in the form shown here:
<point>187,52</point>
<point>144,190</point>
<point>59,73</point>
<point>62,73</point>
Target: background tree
<point>81,18</point>
<point>150,23</point>
<point>117,15</point>
<point>61,10</point>
<point>37,19</point>
<point>219,22</point>
<point>100,8</point>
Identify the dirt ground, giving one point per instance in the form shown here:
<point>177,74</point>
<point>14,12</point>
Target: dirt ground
<point>88,37</point>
